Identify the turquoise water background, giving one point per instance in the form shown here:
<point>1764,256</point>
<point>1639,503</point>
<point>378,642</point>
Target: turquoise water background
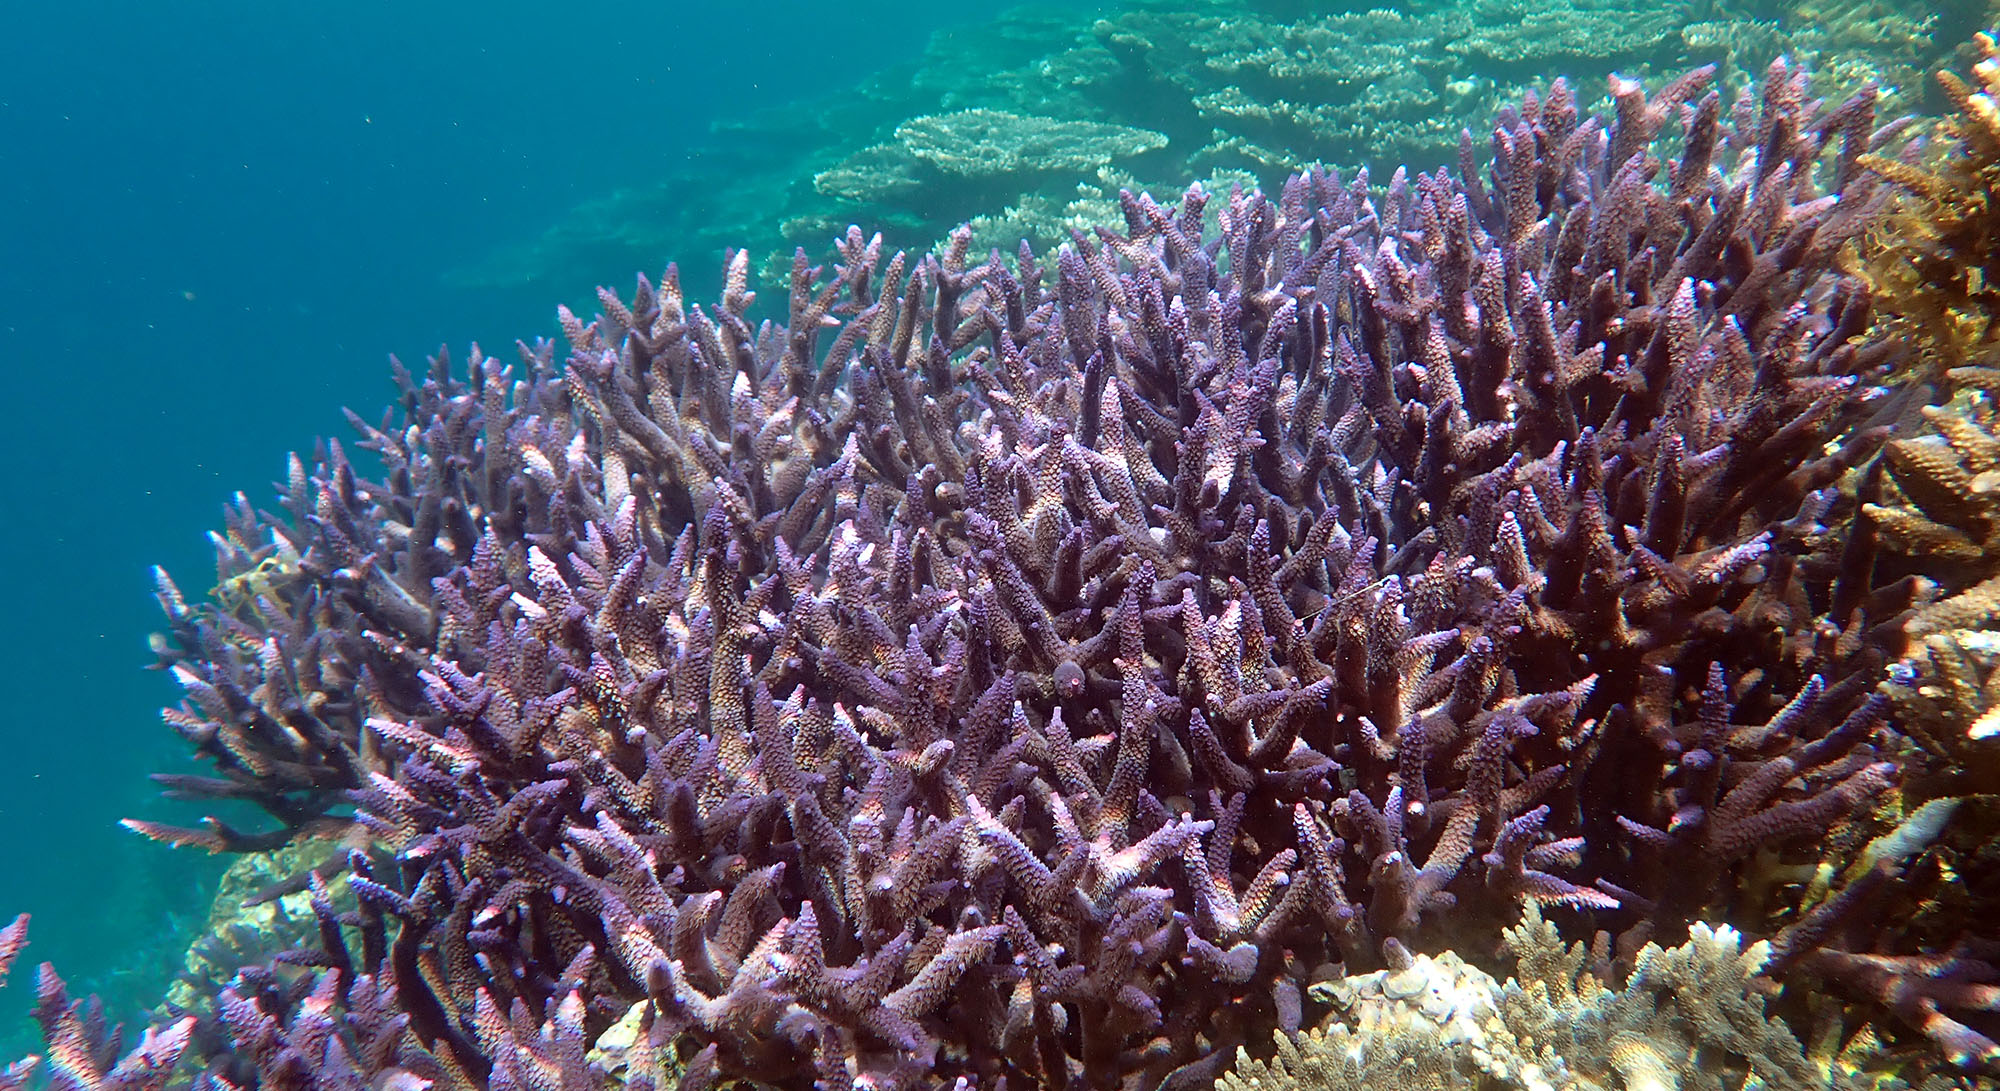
<point>216,219</point>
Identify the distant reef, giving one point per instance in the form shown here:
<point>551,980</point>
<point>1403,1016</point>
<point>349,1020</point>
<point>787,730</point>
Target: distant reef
<point>1028,126</point>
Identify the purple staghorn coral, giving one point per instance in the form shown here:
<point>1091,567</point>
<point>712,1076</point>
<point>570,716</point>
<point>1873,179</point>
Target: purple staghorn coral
<point>84,1051</point>
<point>1040,673</point>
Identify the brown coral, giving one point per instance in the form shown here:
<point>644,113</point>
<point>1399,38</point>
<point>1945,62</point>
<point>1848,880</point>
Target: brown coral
<point>1936,265</point>
<point>1931,266</point>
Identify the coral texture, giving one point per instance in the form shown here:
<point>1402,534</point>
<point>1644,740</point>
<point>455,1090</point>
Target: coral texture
<point>1045,671</point>
<point>1686,1019</point>
<point>1908,926</point>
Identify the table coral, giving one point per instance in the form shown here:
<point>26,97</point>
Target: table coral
<point>981,145</point>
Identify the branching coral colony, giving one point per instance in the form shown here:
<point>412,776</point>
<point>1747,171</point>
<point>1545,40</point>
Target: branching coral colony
<point>1045,673</point>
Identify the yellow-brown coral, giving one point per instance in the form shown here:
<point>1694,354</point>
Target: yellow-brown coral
<point>1687,1018</point>
<point>1933,272</point>
<point>1940,509</point>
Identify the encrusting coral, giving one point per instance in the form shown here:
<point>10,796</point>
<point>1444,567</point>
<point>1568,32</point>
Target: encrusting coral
<point>1047,671</point>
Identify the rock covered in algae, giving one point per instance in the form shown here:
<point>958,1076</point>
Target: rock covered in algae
<point>263,905</point>
<point>627,1055</point>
